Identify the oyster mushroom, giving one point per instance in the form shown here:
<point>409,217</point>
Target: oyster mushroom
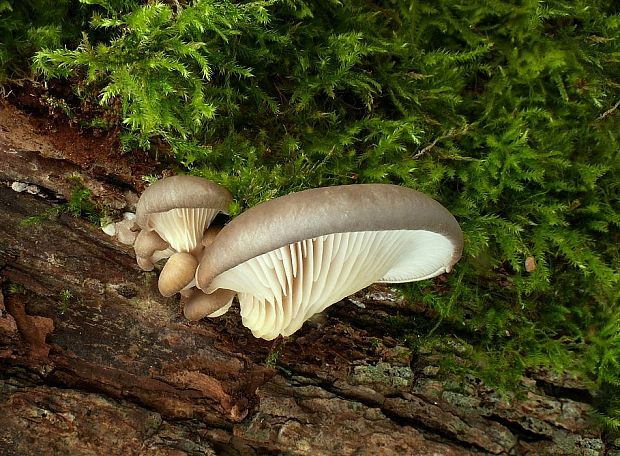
<point>174,214</point>
<point>180,208</point>
<point>294,256</point>
<point>177,274</point>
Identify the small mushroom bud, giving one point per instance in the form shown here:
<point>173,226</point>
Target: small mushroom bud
<point>146,245</point>
<point>211,305</point>
<point>177,273</point>
<point>126,231</point>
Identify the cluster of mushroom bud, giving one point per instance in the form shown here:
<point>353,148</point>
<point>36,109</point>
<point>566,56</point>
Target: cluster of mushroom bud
<point>292,257</point>
<point>174,215</point>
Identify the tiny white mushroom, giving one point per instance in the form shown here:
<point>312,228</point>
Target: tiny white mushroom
<point>19,187</point>
<point>33,189</point>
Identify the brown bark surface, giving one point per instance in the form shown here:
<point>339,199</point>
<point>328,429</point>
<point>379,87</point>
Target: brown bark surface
<point>94,361</point>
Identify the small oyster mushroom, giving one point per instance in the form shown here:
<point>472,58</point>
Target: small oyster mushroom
<point>180,208</point>
<point>177,274</point>
<point>199,304</point>
<point>177,211</point>
<point>126,231</point>
<point>294,256</point>
<point>19,187</point>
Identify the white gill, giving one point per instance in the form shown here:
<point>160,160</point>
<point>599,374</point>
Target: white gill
<point>182,228</point>
<point>279,290</point>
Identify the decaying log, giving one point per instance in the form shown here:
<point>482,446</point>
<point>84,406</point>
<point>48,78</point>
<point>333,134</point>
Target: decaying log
<point>94,361</point>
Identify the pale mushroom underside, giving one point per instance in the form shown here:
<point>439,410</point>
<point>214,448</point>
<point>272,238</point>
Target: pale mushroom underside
<point>279,290</point>
<point>182,228</point>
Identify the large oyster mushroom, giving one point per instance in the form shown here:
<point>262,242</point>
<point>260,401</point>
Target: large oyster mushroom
<point>292,257</point>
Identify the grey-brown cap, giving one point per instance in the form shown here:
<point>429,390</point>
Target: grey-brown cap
<point>200,305</point>
<point>145,246</point>
<point>177,274</point>
<point>181,191</point>
<point>322,211</point>
<point>292,257</point>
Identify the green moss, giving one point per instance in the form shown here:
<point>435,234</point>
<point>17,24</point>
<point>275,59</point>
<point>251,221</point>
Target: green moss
<point>35,221</point>
<point>66,299</point>
<point>271,361</point>
<point>80,204</point>
<point>17,288</point>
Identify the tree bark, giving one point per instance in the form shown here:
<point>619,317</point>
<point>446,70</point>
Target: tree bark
<point>93,360</point>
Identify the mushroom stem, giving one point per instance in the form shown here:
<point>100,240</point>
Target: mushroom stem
<point>202,305</point>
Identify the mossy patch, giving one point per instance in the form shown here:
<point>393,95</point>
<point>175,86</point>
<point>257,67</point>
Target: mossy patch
<point>397,377</point>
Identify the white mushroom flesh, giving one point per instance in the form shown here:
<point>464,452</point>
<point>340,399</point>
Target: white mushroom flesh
<point>281,289</point>
<point>182,228</point>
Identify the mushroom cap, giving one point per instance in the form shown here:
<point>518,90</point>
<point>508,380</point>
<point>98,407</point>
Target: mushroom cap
<point>146,245</point>
<point>177,273</point>
<point>148,242</point>
<point>322,211</point>
<point>181,192</point>
<point>148,263</point>
<point>180,208</point>
<point>126,231</point>
<point>293,256</point>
